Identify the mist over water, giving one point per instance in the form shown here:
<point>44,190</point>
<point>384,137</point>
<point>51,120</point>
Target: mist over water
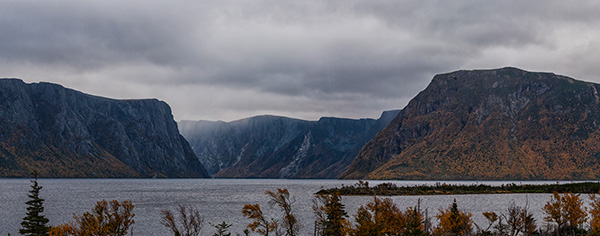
<point>222,200</point>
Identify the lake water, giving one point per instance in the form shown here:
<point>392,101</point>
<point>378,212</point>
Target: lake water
<point>222,199</point>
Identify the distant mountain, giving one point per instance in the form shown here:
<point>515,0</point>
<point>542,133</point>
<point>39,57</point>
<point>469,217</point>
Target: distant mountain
<point>490,124</point>
<point>280,147</point>
<point>65,133</point>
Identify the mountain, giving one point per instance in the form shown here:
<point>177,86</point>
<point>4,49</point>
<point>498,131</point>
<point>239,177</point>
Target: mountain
<point>490,124</point>
<point>220,145</point>
<point>65,133</point>
<point>280,147</point>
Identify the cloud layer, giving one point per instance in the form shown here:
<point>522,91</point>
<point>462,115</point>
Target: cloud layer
<point>225,60</point>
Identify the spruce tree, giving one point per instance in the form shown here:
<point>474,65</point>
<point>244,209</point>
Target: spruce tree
<point>334,224</point>
<point>34,224</point>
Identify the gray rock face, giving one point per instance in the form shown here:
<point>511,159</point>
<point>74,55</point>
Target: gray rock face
<point>65,133</point>
<point>494,124</point>
<point>220,145</point>
<point>280,147</point>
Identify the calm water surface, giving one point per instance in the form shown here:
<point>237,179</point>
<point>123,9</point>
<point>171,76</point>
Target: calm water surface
<point>222,199</point>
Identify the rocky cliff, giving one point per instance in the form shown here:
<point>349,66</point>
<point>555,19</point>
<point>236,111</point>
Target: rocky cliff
<point>65,133</point>
<point>280,147</point>
<point>490,124</point>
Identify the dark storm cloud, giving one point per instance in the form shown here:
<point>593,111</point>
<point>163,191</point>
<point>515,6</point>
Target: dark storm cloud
<point>83,35</point>
<point>230,59</point>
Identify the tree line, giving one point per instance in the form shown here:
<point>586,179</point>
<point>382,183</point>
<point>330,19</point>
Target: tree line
<point>391,189</point>
<point>564,214</point>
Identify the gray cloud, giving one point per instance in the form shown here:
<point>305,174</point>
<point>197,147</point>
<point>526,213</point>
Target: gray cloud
<point>231,59</point>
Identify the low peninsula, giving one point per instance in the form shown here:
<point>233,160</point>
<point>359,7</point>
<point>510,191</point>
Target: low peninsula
<point>362,188</point>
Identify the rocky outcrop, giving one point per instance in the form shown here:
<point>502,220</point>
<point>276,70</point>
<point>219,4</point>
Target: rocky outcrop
<point>220,145</point>
<point>280,147</point>
<point>490,124</point>
<point>64,133</point>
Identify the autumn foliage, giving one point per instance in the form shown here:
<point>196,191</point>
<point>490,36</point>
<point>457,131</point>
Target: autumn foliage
<point>565,214</point>
<point>383,217</point>
<point>454,222</point>
<point>289,224</point>
<point>567,211</point>
<point>259,224</point>
<point>281,199</point>
<point>595,214</point>
<point>112,218</point>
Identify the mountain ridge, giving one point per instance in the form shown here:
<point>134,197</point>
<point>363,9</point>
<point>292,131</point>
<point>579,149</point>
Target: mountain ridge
<point>280,147</point>
<point>66,133</point>
<point>492,124</point>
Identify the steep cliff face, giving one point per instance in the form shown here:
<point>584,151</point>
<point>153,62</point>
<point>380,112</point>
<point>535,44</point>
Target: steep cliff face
<point>65,133</point>
<point>279,147</point>
<point>490,124</point>
<point>220,145</point>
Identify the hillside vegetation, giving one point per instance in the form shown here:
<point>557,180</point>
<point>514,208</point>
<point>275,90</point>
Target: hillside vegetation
<point>490,125</point>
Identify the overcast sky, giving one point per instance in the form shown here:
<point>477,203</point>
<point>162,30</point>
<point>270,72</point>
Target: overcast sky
<point>226,60</point>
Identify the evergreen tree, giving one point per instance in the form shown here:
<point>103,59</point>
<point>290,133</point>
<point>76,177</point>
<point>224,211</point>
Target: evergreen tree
<point>334,224</point>
<point>454,222</point>
<point>34,224</point>
<point>222,229</point>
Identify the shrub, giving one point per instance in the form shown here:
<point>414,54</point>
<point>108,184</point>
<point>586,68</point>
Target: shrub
<point>454,222</point>
<point>595,214</point>
<point>383,217</point>
<point>114,219</point>
<point>567,211</point>
<point>189,218</point>
<point>281,198</point>
<point>259,224</point>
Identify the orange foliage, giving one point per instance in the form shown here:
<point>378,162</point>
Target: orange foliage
<point>282,199</point>
<point>491,217</point>
<point>260,224</point>
<point>595,213</point>
<point>454,222</point>
<point>64,230</point>
<point>566,210</point>
<point>114,219</point>
<point>383,217</point>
